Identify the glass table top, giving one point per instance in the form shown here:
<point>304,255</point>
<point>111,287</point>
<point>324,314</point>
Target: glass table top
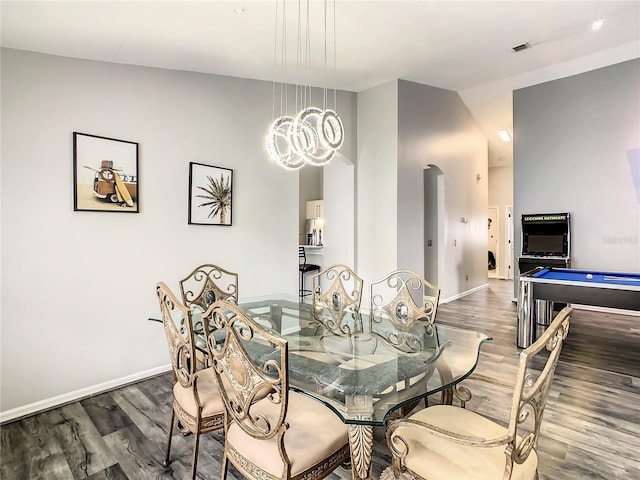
<point>361,370</point>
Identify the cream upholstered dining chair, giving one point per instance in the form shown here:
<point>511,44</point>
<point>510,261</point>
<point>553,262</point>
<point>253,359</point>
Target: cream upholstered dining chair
<point>206,284</point>
<point>337,292</point>
<point>271,432</point>
<point>403,311</point>
<point>448,442</point>
<point>196,400</point>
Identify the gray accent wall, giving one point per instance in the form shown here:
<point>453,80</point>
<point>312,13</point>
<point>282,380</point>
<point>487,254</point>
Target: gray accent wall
<point>577,150</point>
<point>78,287</point>
<point>402,128</point>
<point>435,127</point>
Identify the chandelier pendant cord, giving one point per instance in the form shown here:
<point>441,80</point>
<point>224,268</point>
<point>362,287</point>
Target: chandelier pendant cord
<point>275,62</point>
<point>283,94</point>
<point>307,100</point>
<point>335,66</point>
<point>298,93</point>
<point>324,92</point>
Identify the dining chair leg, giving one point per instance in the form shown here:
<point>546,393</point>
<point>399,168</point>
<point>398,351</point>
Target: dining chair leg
<point>194,462</point>
<point>169,435</point>
<point>225,467</point>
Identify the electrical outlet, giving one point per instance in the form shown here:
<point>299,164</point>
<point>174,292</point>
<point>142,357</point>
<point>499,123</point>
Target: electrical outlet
<point>466,277</point>
<point>455,242</point>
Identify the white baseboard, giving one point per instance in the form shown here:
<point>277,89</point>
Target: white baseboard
<point>464,294</point>
<point>76,395</point>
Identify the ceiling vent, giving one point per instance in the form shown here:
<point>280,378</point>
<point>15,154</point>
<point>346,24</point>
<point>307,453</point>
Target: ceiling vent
<point>523,46</point>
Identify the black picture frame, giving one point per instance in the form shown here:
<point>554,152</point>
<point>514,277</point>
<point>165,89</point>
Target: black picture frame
<point>105,174</point>
<point>210,195</point>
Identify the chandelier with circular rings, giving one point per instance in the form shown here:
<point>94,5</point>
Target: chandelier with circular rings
<point>313,135</point>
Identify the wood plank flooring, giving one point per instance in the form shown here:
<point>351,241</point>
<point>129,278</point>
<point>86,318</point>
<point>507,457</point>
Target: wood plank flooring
<point>591,427</point>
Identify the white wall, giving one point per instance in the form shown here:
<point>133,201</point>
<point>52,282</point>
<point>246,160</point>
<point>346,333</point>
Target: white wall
<point>310,185</point>
<point>577,150</point>
<point>376,183</point>
<point>501,196</point>
<point>436,128</point>
<point>339,212</point>
<point>77,287</point>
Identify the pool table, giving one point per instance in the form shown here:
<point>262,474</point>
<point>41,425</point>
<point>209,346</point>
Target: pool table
<point>567,285</point>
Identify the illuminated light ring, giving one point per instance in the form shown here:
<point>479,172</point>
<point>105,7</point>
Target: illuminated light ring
<point>330,130</point>
<point>280,129</point>
<point>325,151</point>
<point>320,160</point>
<point>306,143</point>
<point>305,138</point>
<point>312,137</point>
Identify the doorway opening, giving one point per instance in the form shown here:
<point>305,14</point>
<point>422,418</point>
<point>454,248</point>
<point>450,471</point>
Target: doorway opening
<point>434,216</point>
<point>492,242</point>
<point>509,242</point>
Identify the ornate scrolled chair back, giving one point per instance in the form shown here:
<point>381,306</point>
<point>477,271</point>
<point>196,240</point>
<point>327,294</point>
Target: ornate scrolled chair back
<point>251,368</point>
<point>178,328</point>
<point>442,439</point>
<point>207,284</point>
<point>532,387</point>
<point>338,303</point>
<point>403,310</point>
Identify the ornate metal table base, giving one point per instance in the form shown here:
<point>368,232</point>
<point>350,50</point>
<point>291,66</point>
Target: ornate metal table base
<point>361,443</point>
<point>360,436</point>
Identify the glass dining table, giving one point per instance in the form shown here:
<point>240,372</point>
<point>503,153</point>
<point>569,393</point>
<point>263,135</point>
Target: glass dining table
<point>359,368</point>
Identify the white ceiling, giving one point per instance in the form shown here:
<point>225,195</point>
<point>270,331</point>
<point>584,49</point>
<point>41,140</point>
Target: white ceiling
<point>464,46</point>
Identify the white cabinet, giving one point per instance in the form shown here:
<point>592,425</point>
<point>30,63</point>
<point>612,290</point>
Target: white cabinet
<point>314,209</point>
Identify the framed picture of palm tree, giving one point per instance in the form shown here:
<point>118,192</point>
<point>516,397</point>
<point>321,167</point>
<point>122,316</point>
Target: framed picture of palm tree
<point>210,194</point>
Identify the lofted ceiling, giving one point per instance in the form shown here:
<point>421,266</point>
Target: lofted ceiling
<point>464,46</point>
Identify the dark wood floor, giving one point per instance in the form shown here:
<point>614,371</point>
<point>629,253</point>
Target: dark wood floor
<point>591,428</point>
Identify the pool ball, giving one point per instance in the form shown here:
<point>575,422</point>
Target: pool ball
<point>589,276</point>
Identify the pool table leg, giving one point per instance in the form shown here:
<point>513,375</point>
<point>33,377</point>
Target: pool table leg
<point>526,321</point>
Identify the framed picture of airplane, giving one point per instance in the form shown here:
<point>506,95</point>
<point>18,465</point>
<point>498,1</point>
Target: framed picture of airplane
<point>105,174</point>
<point>210,195</point>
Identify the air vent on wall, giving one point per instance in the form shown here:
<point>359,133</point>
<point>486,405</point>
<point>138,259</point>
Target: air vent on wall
<point>523,46</point>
